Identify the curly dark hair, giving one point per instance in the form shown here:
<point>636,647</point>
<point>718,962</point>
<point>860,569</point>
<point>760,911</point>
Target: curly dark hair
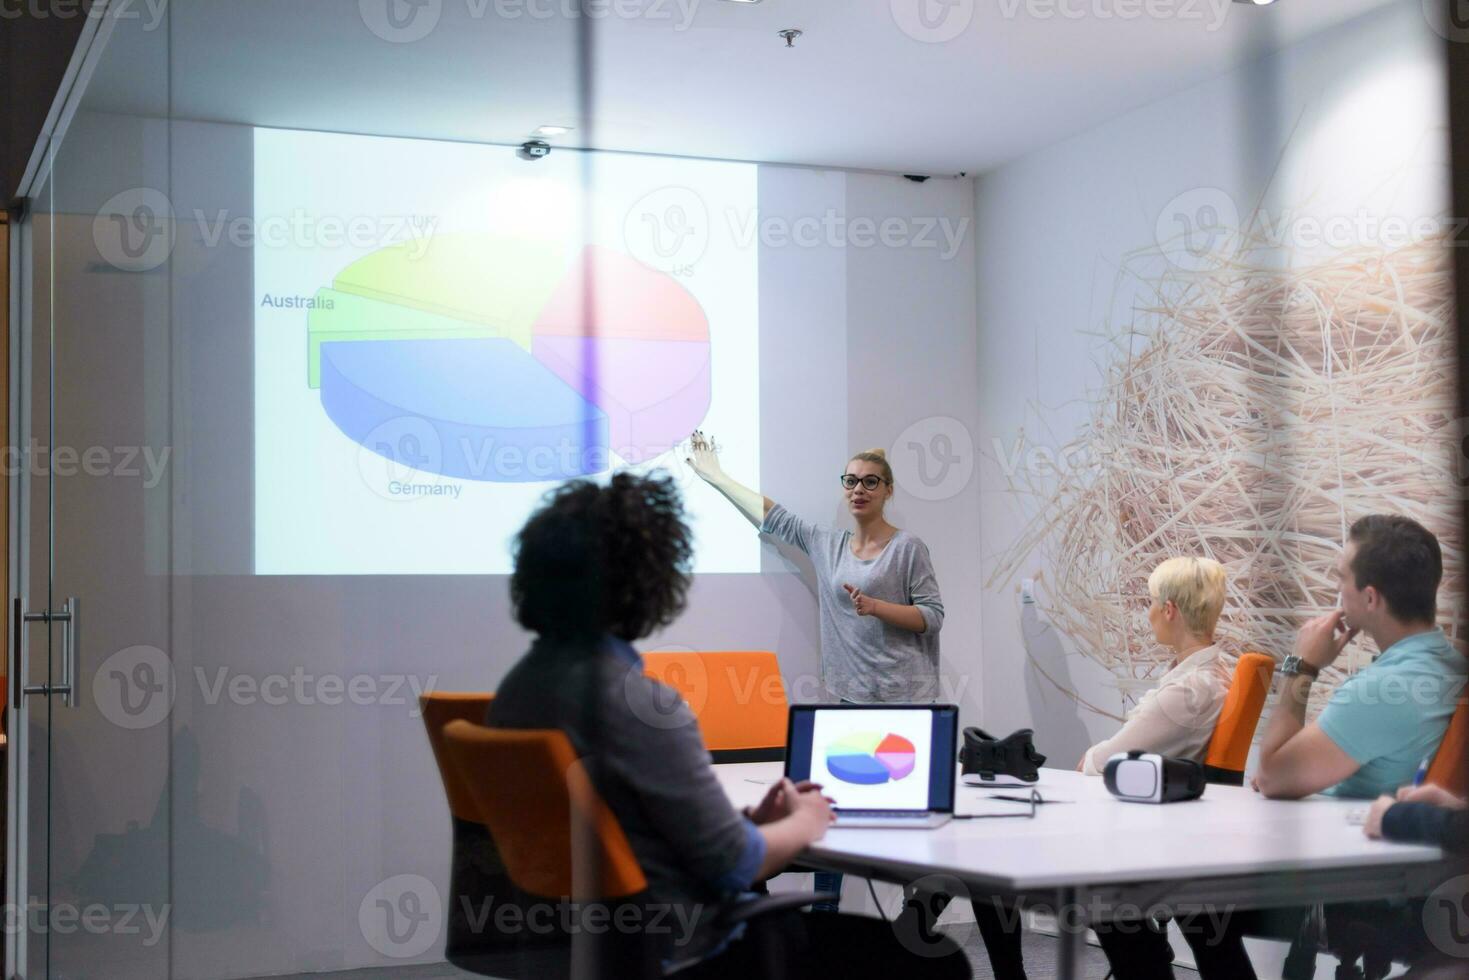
<point>603,559</point>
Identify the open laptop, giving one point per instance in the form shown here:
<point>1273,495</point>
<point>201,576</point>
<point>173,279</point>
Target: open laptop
<point>885,765</point>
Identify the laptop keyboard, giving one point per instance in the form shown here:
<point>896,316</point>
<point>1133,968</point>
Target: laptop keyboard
<point>886,814</point>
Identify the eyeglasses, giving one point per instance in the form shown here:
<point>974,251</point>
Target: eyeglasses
<point>869,482</point>
<point>1033,799</point>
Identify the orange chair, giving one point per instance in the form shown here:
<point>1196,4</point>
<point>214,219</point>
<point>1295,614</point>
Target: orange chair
<point>530,790</point>
<point>561,841</point>
<point>1451,760</point>
<point>1235,730</point>
<point>738,697</point>
<point>478,876</point>
<point>438,709</point>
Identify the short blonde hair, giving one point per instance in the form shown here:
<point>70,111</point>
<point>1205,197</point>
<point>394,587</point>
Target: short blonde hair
<point>1196,587</point>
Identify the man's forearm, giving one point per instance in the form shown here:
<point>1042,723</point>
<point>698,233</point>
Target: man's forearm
<point>1289,717</point>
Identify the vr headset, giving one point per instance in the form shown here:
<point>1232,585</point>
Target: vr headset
<point>1147,777</point>
<point>984,757</point>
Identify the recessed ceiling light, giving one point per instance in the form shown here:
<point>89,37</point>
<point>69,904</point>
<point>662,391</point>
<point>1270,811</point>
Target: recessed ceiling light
<point>1256,3</point>
<point>742,1</point>
<point>551,130</point>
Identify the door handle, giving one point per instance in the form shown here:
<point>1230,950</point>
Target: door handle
<point>69,616</point>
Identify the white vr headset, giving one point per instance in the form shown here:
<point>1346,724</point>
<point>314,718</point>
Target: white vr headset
<point>1147,777</point>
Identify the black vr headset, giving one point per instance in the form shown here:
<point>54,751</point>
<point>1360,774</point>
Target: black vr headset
<point>985,757</point>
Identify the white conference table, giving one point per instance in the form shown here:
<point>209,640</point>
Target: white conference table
<point>1232,847</point>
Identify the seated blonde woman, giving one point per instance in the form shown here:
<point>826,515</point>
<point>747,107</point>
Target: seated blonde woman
<point>1176,719</point>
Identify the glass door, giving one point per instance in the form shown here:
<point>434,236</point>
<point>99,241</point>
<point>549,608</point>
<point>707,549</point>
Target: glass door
<point>31,667</point>
<point>92,697</point>
<point>107,363</point>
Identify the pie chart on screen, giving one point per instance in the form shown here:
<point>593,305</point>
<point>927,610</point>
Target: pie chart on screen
<point>517,362</point>
<point>870,758</point>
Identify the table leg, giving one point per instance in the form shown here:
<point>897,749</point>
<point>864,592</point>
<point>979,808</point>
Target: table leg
<point>1071,932</point>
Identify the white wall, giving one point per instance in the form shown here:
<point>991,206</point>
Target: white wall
<point>1349,121</point>
<point>860,344</point>
<point>911,386</point>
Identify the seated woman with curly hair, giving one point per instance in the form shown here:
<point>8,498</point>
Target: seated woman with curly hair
<point>596,568</point>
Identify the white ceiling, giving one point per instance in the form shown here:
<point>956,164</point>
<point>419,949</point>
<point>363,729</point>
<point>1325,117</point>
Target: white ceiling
<point>700,77</point>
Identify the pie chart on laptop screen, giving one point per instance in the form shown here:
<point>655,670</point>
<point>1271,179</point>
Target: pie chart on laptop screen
<point>870,758</point>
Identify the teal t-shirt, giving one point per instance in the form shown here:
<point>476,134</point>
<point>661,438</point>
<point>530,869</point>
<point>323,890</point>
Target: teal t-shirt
<point>1391,715</point>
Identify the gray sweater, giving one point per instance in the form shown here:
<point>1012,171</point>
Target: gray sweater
<point>864,659</point>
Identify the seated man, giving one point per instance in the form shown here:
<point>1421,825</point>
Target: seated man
<point>1379,724</point>
<point>595,568</point>
<point>1427,814</point>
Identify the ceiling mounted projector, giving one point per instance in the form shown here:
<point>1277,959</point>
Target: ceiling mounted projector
<point>533,150</point>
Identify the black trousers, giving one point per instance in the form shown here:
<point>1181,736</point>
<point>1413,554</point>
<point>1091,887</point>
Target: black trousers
<point>810,944</point>
<point>1139,949</point>
<point>999,926</point>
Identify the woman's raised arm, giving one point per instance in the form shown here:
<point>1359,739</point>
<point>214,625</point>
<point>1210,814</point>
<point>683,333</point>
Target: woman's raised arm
<point>704,459</point>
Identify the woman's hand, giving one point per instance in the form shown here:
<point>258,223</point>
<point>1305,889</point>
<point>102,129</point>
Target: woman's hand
<point>1429,793</point>
<point>703,457</point>
<point>814,813</point>
<point>1372,827</point>
<point>864,604</point>
<point>780,800</point>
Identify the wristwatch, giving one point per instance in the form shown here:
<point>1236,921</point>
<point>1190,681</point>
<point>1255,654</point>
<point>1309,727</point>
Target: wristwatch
<point>1293,665</point>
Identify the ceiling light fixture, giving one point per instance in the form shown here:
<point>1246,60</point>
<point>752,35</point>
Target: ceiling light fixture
<point>551,130</point>
<point>1256,3</point>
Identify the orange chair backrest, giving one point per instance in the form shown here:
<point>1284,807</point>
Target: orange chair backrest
<point>1450,762</point>
<point>737,695</point>
<point>529,786</point>
<point>438,710</point>
<point>1235,730</point>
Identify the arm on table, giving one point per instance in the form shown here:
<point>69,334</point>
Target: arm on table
<point>785,838</point>
<point>1421,815</point>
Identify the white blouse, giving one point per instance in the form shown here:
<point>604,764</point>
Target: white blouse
<point>1177,717</point>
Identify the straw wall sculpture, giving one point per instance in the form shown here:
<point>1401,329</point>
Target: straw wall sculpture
<point>1250,413</point>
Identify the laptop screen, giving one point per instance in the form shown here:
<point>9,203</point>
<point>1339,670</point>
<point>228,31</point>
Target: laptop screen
<point>876,757</point>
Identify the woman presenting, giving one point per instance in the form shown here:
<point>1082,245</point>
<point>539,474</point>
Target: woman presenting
<point>876,593</point>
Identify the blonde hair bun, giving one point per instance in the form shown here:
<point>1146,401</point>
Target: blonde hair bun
<point>877,452</point>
